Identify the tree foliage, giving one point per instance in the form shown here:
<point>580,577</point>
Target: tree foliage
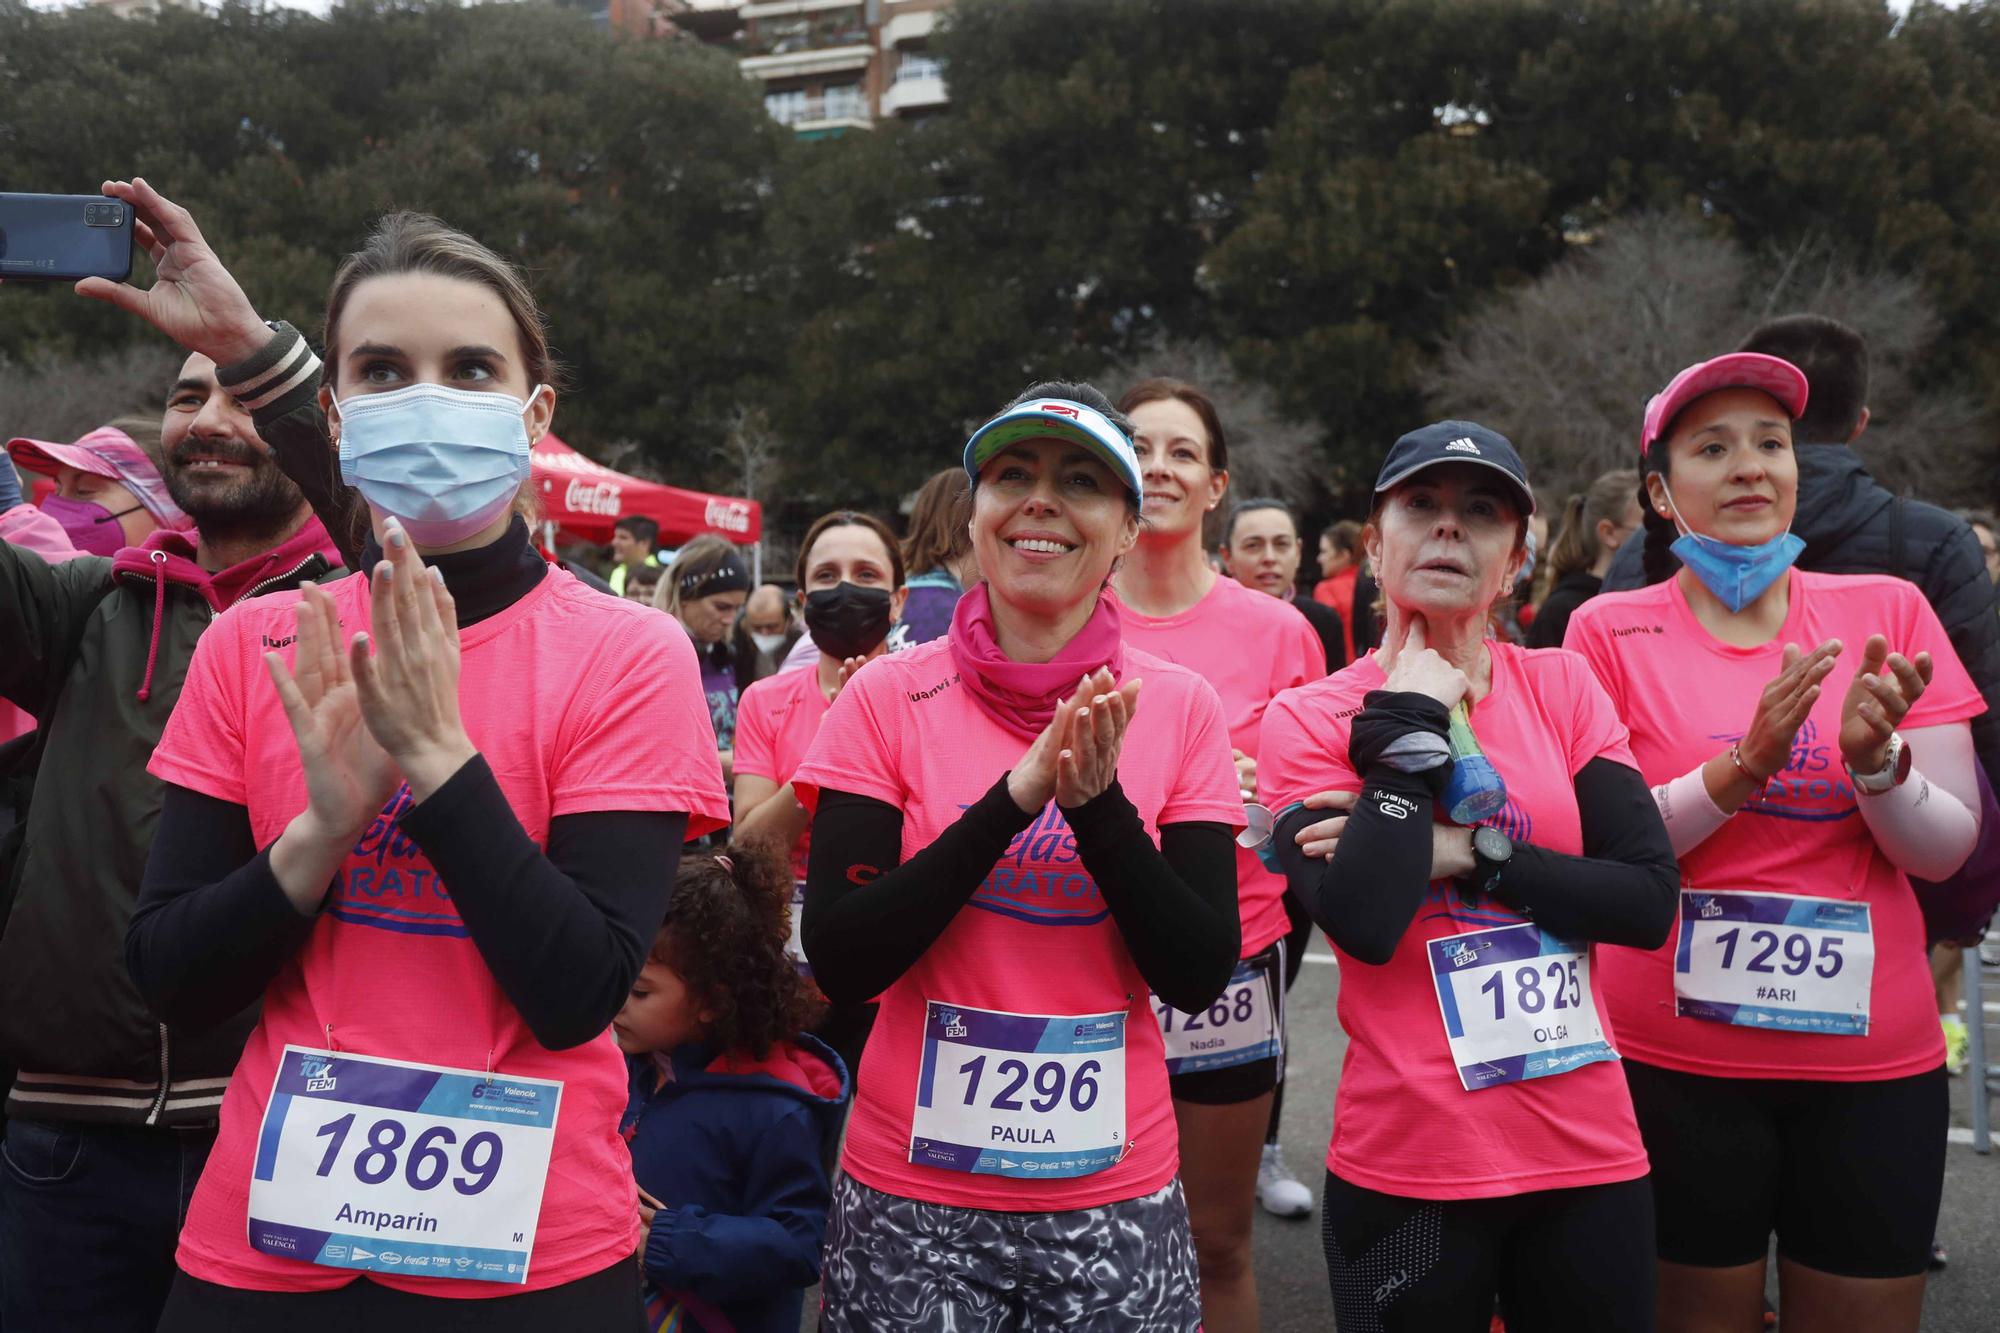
<point>1660,291</point>
<point>1335,192</point>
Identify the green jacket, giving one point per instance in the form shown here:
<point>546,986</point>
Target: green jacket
<point>97,649</point>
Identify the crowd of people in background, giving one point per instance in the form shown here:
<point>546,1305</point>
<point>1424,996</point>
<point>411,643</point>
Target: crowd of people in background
<point>403,924</point>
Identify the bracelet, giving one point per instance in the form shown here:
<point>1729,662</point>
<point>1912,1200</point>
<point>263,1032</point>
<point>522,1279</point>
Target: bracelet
<point>1736,758</point>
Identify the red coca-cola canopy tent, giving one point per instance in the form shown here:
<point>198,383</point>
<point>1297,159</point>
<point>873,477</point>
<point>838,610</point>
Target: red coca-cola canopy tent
<point>584,498</point>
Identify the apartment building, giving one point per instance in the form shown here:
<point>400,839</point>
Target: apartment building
<point>826,66</point>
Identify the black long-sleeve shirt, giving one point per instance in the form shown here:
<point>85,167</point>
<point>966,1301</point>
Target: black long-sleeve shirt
<point>869,919</point>
<point>1623,889</point>
<point>564,931</point>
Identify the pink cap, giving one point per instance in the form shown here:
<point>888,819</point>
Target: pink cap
<point>1738,370</point>
<point>105,452</point>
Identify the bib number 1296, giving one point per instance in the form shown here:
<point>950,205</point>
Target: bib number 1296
<point>1027,1095</point>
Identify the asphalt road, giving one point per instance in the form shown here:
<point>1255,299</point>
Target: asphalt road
<point>1291,1271</point>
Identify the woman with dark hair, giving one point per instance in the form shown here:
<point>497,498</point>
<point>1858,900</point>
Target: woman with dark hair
<point>427,844</point>
<point>1483,1139</point>
<point>851,590</point>
<point>1248,646</point>
<point>1595,524</point>
<point>1784,1055</point>
<point>1011,860</point>
<point>704,588</point>
<point>938,554</point>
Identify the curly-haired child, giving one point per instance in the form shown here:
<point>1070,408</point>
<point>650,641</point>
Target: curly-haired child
<point>730,1098</point>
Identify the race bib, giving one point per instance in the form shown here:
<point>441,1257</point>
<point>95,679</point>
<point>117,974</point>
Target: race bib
<point>795,947</point>
<point>1237,1029</point>
<point>1775,961</point>
<point>1517,1005</point>
<point>1025,1095</point>
<point>396,1167</point>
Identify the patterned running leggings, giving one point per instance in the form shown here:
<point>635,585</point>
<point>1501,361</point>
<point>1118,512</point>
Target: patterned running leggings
<point>895,1263</point>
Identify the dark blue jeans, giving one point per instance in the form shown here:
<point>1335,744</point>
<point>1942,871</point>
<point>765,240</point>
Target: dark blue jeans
<point>89,1215</point>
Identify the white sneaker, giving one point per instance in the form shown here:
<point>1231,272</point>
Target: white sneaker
<point>1278,1190</point>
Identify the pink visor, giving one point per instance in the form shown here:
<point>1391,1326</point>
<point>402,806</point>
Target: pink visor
<point>1738,370</point>
<point>110,453</point>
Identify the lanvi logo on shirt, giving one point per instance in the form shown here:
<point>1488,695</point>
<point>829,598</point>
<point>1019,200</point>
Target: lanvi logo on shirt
<point>1041,880</point>
<point>1462,445</point>
<point>387,882</point>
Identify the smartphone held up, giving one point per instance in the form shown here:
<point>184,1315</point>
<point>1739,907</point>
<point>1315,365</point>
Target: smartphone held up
<point>64,237</point>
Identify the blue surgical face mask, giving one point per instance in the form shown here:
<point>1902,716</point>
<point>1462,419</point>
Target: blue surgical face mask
<point>444,461</point>
<point>1737,575</point>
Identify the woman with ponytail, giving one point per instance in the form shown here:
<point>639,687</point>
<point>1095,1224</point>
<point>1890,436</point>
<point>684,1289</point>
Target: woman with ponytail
<point>1595,523</point>
<point>1806,738</point>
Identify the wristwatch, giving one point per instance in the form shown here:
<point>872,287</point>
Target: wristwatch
<point>1491,851</point>
<point>1895,770</point>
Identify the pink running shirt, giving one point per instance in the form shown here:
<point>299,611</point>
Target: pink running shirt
<point>776,720</point>
<point>1402,1122</point>
<point>1036,937</point>
<point>1688,697</point>
<point>1249,645</point>
<point>578,702</point>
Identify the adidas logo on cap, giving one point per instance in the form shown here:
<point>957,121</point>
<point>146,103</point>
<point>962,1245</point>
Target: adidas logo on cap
<point>1462,445</point>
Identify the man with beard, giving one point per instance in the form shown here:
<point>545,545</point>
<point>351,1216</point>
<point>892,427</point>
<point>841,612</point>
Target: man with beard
<point>110,1114</point>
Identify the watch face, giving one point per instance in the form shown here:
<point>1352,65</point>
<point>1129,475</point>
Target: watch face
<point>1902,765</point>
<point>1491,843</point>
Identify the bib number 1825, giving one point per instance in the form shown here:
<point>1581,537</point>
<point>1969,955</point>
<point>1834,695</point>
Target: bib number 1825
<point>1564,989</point>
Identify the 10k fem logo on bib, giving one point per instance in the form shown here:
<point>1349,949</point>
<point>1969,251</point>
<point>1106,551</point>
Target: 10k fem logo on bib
<point>1026,1095</point>
<point>396,1167</point>
<point>1775,961</point>
<point>1517,1005</point>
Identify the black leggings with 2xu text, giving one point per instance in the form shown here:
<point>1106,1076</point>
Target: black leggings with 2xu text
<point>1567,1259</point>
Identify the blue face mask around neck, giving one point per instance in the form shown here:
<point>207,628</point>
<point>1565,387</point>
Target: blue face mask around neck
<point>1737,575</point>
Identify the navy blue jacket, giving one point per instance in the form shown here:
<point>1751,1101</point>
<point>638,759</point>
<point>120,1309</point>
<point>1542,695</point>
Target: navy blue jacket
<point>731,1144</point>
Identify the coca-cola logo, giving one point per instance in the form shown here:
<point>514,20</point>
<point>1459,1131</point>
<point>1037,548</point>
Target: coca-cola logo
<point>585,498</point>
<point>728,515</point>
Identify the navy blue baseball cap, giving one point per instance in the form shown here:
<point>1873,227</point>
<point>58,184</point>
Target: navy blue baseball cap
<point>1456,442</point>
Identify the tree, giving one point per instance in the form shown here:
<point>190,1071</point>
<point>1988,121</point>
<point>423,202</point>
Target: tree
<point>1564,365</point>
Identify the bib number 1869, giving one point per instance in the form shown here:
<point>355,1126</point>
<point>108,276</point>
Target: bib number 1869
<point>429,1161</point>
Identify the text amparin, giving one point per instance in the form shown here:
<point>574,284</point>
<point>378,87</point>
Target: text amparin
<point>368,1217</point>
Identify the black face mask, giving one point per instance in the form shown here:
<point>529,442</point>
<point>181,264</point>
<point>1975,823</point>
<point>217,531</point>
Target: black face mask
<point>847,620</point>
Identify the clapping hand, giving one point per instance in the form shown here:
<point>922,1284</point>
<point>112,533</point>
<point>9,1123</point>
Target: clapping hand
<point>409,686</point>
<point>1877,702</point>
<point>348,774</point>
<point>1766,748</point>
<point>1060,763</point>
<point>1100,712</point>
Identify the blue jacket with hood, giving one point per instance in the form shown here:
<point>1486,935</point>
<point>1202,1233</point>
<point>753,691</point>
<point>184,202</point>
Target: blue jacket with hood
<point>731,1144</point>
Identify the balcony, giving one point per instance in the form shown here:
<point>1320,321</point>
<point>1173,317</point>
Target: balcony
<point>903,28</point>
<point>918,85</point>
<point>837,108</point>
